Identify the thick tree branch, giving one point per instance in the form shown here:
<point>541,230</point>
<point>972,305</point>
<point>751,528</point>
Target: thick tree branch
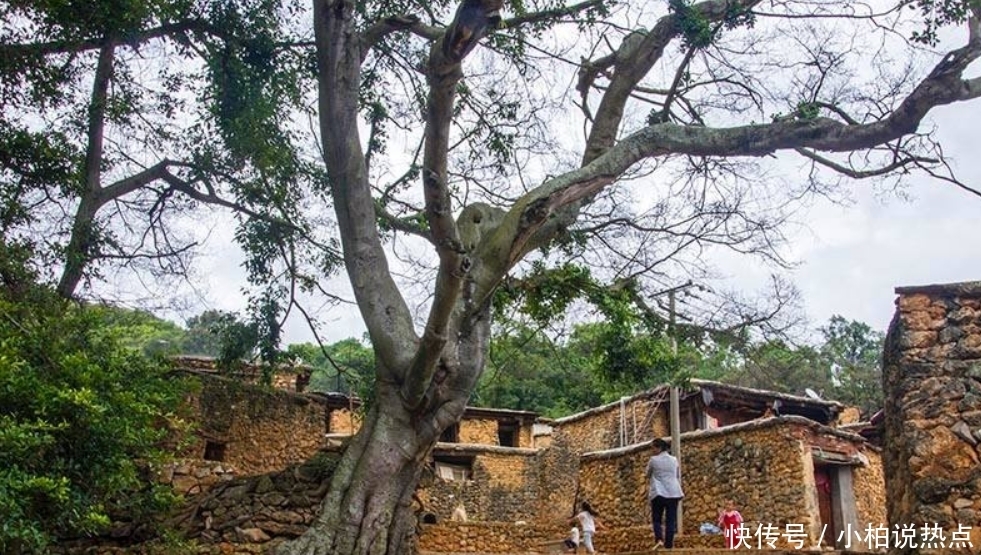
<point>443,74</point>
<point>19,51</point>
<point>636,56</point>
<point>79,253</point>
<point>377,32</point>
<point>382,307</point>
<point>540,214</point>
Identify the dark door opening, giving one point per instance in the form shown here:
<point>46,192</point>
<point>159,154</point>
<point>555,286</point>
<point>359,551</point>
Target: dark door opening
<point>822,480</point>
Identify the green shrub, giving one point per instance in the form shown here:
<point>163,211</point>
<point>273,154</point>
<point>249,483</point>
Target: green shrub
<point>82,420</point>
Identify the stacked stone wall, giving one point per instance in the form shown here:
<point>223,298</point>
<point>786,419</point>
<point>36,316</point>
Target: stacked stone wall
<point>244,515</point>
<point>504,488</point>
<point>932,386</point>
<point>259,429</point>
<point>489,537</point>
<point>526,437</point>
<point>191,476</point>
<point>344,421</point>
<point>481,431</point>
<point>638,419</point>
<point>559,478</point>
<point>869,484</point>
<point>766,467</point>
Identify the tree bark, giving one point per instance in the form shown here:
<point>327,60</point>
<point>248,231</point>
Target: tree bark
<point>78,252</point>
<point>369,507</point>
<point>423,383</point>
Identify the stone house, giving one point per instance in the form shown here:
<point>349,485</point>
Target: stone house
<point>787,461</point>
<point>784,459</point>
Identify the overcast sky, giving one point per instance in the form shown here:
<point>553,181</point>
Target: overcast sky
<point>855,256</point>
<point>851,257</point>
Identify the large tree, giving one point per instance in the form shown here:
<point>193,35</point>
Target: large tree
<point>709,105</point>
<point>853,350</point>
<point>687,112</point>
<point>126,125</point>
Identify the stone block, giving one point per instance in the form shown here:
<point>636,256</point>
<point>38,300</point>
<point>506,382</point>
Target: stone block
<point>251,535</point>
<point>909,303</point>
<point>968,347</point>
<point>923,321</point>
<point>918,340</point>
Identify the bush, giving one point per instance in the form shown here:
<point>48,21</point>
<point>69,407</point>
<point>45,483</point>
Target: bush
<point>82,420</point>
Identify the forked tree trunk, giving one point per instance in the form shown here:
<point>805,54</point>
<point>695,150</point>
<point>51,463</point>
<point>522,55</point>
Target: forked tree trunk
<point>369,507</point>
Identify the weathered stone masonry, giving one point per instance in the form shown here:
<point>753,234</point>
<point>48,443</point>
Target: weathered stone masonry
<point>932,387</point>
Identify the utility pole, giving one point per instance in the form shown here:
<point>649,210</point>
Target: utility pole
<point>675,399</point>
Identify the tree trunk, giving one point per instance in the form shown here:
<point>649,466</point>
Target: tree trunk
<point>369,505</point>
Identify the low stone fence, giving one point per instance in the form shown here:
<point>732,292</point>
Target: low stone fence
<point>509,537</point>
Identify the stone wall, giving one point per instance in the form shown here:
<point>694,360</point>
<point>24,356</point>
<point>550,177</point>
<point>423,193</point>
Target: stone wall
<point>639,418</point>
<point>191,476</point>
<point>482,431</point>
<point>559,478</point>
<point>489,537</point>
<point>344,421</point>
<point>932,386</point>
<point>254,429</point>
<point>870,490</point>
<point>765,466</point>
<point>240,516</point>
<point>258,509</point>
<point>504,487</point>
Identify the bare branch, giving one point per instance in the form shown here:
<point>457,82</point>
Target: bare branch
<point>545,211</point>
<point>551,15</point>
<point>900,162</point>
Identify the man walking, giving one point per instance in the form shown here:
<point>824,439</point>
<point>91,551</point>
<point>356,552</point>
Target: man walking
<point>664,493</point>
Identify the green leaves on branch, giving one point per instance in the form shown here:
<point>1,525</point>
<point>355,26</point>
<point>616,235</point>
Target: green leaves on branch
<point>698,31</point>
<point>83,420</point>
<point>939,13</point>
<point>634,348</point>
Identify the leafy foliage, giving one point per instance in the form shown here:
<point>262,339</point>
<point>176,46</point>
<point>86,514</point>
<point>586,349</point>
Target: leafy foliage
<point>698,31</point>
<point>346,366</point>
<point>937,14</point>
<point>82,421</point>
<point>633,349</point>
<point>141,331</point>
<point>528,371</point>
<point>780,366</point>
<point>854,351</point>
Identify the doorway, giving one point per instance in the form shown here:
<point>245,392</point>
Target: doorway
<point>822,482</point>
<point>836,502</point>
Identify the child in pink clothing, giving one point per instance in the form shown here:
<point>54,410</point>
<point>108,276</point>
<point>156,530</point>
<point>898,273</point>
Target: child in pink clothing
<point>729,521</point>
